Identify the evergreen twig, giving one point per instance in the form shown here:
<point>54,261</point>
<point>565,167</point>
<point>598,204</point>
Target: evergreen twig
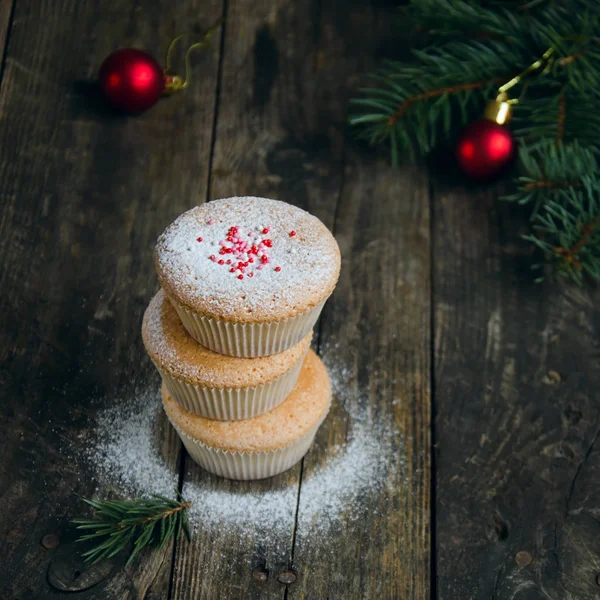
<point>412,104</point>
<point>141,522</point>
<point>549,168</point>
<point>567,230</point>
<point>470,49</point>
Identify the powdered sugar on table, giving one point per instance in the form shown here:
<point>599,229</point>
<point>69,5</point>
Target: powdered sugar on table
<point>123,452</point>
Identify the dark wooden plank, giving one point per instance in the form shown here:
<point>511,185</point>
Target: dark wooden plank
<point>517,413</point>
<point>375,338</point>
<point>376,330</point>
<point>84,195</point>
<point>288,69</point>
<point>6,10</point>
<point>267,145</point>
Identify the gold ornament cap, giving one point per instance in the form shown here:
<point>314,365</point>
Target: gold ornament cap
<point>173,83</point>
<point>498,110</point>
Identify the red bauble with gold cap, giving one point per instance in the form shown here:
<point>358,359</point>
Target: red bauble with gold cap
<point>486,147</point>
<point>132,80</point>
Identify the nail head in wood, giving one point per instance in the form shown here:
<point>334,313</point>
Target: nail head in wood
<point>50,541</point>
<point>260,575</point>
<point>552,377</point>
<point>14,535</point>
<point>288,577</point>
<point>523,559</point>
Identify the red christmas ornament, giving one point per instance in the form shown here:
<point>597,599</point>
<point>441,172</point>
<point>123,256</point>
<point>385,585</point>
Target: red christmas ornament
<point>486,147</point>
<point>131,80</point>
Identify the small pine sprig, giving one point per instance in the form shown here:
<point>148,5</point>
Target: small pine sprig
<point>141,522</point>
<point>472,48</point>
<point>549,168</point>
<point>567,230</point>
<point>562,114</point>
<point>412,106</point>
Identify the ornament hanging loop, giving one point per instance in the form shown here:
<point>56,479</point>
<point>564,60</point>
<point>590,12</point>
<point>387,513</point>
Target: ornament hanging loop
<point>545,61</point>
<point>500,109</point>
<point>174,82</point>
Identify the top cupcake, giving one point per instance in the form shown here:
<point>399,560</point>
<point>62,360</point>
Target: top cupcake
<point>247,259</point>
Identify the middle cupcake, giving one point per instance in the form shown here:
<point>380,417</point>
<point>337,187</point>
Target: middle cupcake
<point>213,385</point>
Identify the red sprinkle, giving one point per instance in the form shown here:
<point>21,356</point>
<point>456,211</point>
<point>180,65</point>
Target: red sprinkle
<point>292,233</point>
<point>245,251</point>
<point>199,239</point>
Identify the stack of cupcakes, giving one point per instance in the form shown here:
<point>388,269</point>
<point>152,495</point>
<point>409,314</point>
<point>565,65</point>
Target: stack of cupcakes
<point>243,283</point>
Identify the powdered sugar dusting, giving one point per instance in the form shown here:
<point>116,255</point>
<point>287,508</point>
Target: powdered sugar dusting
<point>155,333</point>
<point>340,488</point>
<point>288,271</point>
<point>123,451</point>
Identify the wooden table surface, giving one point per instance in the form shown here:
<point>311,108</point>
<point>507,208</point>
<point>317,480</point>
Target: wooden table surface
<point>494,478</point>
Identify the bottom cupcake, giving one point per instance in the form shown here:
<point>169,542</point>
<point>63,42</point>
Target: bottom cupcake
<point>264,445</point>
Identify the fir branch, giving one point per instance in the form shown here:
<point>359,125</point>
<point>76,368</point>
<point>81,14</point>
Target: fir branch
<point>560,124</point>
<point>451,89</point>
<point>472,47</point>
<point>541,117</point>
<point>411,106</point>
<point>457,17</point>
<point>548,169</point>
<point>141,522</point>
<point>567,230</point>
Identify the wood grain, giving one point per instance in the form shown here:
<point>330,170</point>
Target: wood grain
<point>6,9</point>
<point>263,147</point>
<point>376,334</point>
<point>517,413</point>
<point>84,194</point>
<point>288,69</point>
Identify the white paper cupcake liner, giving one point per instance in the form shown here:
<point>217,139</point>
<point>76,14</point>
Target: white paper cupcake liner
<point>247,340</point>
<point>247,465</point>
<point>232,404</point>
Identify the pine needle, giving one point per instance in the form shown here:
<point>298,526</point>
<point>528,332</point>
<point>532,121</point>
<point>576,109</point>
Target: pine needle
<point>469,49</point>
<point>142,522</point>
<point>567,231</point>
